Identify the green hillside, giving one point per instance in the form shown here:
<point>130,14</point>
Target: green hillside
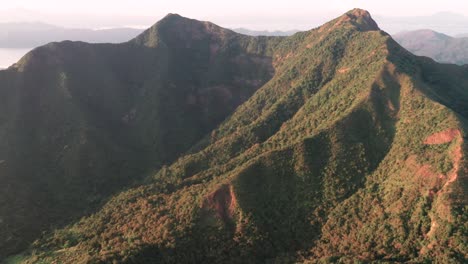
<point>347,148</point>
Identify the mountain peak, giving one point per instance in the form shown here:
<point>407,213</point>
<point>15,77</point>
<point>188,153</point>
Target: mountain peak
<point>179,28</point>
<point>173,20</point>
<point>357,12</point>
<point>361,19</point>
<point>173,16</point>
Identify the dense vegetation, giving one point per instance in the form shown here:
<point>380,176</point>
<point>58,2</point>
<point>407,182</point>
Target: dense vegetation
<point>351,150</point>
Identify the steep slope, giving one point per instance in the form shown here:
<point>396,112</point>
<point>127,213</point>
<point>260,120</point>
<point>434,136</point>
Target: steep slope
<point>354,150</point>
<point>80,121</point>
<point>440,47</point>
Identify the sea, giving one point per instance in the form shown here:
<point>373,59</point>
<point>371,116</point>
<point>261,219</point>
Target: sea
<point>10,56</point>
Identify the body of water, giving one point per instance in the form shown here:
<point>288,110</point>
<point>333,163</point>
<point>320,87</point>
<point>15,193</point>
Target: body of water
<point>10,56</point>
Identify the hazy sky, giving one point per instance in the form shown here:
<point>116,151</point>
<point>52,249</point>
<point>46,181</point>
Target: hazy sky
<point>392,15</point>
<point>263,14</point>
<point>217,7</point>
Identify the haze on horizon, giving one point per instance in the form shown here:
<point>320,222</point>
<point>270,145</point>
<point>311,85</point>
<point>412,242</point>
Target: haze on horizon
<point>257,15</point>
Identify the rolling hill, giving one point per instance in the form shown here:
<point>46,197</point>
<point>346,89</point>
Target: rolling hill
<point>194,144</point>
<point>437,46</point>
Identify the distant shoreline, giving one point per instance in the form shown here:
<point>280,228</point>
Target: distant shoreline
<point>10,56</point>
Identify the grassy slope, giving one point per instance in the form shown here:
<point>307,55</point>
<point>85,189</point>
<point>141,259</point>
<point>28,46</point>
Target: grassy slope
<point>326,161</point>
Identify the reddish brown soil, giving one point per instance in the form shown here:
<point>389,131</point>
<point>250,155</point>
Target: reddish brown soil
<point>426,171</point>
<point>343,70</point>
<point>441,206</point>
<point>425,176</point>
<point>456,156</point>
<point>442,137</point>
<point>223,202</point>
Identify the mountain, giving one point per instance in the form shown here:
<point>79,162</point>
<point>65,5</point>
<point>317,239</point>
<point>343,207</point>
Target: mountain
<point>249,32</point>
<point>438,46</point>
<point>343,147</point>
<point>462,36</point>
<point>80,121</point>
<point>31,34</point>
<point>76,19</point>
<point>447,22</point>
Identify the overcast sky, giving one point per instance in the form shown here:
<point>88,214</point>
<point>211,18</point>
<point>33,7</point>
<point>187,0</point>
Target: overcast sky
<point>263,14</point>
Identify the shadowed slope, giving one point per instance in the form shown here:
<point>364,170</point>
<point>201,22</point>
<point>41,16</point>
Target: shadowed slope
<point>79,121</point>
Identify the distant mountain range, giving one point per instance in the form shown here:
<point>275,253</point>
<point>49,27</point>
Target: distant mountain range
<point>440,47</point>
<point>249,32</point>
<point>447,22</point>
<point>30,35</point>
